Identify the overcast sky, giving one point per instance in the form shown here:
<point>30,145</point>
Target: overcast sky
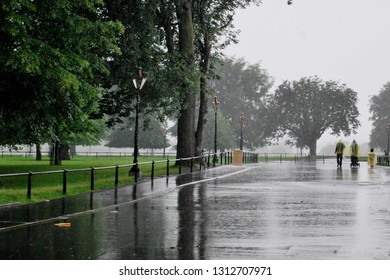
<point>343,40</point>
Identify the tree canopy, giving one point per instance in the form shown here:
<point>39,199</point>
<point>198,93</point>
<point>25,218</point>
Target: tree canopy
<point>53,55</point>
<point>305,109</point>
<point>153,135</point>
<point>225,132</point>
<point>241,87</point>
<point>380,116</point>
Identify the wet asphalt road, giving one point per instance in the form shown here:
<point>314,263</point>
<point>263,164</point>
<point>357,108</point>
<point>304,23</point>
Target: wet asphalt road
<point>265,211</point>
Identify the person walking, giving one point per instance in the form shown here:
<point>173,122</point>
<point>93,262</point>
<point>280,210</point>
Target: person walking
<point>339,151</point>
<point>371,158</point>
<point>202,160</point>
<point>354,151</point>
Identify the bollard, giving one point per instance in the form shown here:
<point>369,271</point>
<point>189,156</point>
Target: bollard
<point>64,181</point>
<point>153,163</point>
<point>167,167</point>
<point>92,178</point>
<point>29,184</point>
<point>116,175</point>
<point>136,173</point>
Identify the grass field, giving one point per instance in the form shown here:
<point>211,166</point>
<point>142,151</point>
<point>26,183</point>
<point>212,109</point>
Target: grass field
<point>48,186</point>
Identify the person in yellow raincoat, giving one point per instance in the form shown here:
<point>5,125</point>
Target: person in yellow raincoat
<point>371,158</point>
<point>339,151</point>
<point>354,151</point>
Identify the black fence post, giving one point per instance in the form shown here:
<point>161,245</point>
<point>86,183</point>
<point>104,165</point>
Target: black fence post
<point>29,184</point>
<point>153,170</point>
<point>92,178</point>
<point>64,181</point>
<point>116,175</point>
<point>180,163</point>
<point>192,164</point>
<point>167,167</point>
<point>136,172</point>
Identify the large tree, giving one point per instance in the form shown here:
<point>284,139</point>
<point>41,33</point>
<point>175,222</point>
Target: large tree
<point>53,55</point>
<point>305,109</point>
<point>380,116</point>
<point>177,55</point>
<point>213,20</point>
<point>241,87</point>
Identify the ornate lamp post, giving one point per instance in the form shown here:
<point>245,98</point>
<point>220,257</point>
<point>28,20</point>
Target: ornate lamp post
<point>139,82</point>
<point>242,119</point>
<point>215,107</point>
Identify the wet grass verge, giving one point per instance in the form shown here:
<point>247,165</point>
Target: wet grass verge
<point>49,186</point>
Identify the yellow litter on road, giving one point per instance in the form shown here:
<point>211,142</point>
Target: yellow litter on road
<point>63,224</point>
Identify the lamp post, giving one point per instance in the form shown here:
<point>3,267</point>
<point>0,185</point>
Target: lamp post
<point>215,107</point>
<point>139,82</point>
<point>242,119</point>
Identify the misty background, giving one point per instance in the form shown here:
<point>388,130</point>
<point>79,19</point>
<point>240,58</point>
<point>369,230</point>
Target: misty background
<point>345,41</point>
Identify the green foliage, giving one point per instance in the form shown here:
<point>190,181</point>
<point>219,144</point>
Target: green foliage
<point>225,132</point>
<point>152,135</point>
<point>241,87</point>
<point>140,46</point>
<point>305,109</point>
<point>380,116</point>
<point>53,54</point>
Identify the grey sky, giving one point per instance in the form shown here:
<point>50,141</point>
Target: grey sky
<point>343,40</point>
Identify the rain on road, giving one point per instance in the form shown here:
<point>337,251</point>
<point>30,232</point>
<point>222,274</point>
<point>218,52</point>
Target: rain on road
<point>268,210</point>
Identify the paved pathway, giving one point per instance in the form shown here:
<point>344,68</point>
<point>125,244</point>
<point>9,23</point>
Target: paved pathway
<point>265,211</point>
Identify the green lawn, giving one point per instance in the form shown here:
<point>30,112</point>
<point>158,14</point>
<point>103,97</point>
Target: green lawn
<point>48,186</point>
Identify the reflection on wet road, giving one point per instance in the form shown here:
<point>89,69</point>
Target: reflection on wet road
<point>265,211</point>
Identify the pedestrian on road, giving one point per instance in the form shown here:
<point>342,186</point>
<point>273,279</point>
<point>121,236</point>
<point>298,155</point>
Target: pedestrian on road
<point>202,160</point>
<point>371,158</point>
<point>339,151</point>
<point>354,151</point>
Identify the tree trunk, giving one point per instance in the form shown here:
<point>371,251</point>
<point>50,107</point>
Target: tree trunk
<point>313,148</point>
<point>38,155</point>
<point>186,121</point>
<point>199,135</point>
<point>56,153</point>
<point>64,152</point>
<point>204,48</point>
<point>205,51</point>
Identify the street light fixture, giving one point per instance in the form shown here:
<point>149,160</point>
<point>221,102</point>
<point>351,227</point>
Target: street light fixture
<point>139,82</point>
<point>242,119</point>
<point>215,107</point>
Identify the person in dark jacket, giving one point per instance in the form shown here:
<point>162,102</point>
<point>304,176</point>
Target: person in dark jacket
<point>339,151</point>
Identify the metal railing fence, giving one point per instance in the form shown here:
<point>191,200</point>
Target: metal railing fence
<point>183,164</point>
